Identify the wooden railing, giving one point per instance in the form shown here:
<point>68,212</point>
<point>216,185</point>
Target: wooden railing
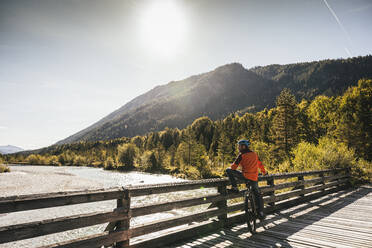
<point>221,211</point>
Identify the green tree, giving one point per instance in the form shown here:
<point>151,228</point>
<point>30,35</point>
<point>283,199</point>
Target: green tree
<point>285,122</point>
<point>190,154</point>
<point>321,115</point>
<point>305,132</point>
<point>169,137</point>
<point>109,164</point>
<point>354,119</point>
<point>225,150</point>
<point>262,130</point>
<point>126,156</point>
<point>203,129</point>
<point>152,140</point>
<point>138,141</point>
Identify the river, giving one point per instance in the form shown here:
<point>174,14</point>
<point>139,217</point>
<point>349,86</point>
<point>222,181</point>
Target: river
<point>23,180</point>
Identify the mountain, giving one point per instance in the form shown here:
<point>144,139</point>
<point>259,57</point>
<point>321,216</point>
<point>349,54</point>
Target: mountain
<point>225,90</point>
<point>10,149</point>
<point>327,77</point>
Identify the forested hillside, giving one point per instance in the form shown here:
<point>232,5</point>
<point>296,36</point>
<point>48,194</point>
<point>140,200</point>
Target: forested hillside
<point>225,90</point>
<point>326,132</point>
<point>327,77</point>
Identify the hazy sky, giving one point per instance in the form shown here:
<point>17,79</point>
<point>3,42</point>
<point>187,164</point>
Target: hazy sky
<point>66,64</point>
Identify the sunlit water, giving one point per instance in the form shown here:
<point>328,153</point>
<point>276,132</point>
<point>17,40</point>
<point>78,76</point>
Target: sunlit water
<point>45,179</point>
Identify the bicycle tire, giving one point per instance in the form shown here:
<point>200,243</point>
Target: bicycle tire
<point>249,212</point>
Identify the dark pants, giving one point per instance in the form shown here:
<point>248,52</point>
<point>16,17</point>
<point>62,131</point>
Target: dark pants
<point>233,174</point>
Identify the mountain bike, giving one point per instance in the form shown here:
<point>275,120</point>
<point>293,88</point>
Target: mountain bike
<point>250,207</point>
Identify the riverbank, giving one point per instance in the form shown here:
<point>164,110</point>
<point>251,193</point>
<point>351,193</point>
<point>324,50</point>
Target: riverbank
<point>35,179</point>
<point>190,173</point>
<point>30,179</point>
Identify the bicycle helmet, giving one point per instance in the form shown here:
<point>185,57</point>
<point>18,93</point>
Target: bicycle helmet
<point>244,142</point>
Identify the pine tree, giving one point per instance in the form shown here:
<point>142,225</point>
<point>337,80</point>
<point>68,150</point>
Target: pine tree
<point>225,149</point>
<point>203,129</point>
<point>285,122</point>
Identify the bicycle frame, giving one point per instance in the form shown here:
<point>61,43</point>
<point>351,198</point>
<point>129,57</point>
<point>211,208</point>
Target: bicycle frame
<point>251,216</point>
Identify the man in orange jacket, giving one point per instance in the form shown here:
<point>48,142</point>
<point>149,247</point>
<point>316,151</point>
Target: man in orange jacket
<point>250,164</point>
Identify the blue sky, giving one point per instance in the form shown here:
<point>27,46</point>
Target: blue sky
<point>66,64</point>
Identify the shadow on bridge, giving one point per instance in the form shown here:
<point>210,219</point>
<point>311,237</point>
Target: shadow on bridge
<point>279,226</point>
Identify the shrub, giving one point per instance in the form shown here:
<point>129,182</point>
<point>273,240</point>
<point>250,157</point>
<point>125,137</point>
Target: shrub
<point>109,164</point>
<point>361,171</point>
<point>147,162</point>
<point>204,167</point>
<point>328,154</point>
<point>126,156</point>
<point>35,159</point>
<point>80,161</point>
<point>53,160</point>
<point>4,168</point>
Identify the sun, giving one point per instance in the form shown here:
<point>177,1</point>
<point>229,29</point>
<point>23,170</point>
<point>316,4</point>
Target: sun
<point>163,27</point>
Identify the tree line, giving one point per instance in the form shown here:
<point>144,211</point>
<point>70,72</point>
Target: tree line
<point>326,132</point>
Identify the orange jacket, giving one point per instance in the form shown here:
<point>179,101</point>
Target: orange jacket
<point>250,163</point>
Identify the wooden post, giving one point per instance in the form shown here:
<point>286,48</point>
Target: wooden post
<point>270,182</point>
<point>302,187</point>
<point>348,173</point>
<point>124,224</point>
<point>336,173</point>
<point>222,204</point>
<point>323,181</point>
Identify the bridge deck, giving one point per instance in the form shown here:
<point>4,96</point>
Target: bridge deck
<point>342,219</point>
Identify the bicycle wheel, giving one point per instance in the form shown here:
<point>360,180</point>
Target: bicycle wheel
<point>249,212</point>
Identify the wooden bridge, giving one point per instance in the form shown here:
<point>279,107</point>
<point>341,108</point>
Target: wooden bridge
<point>307,209</point>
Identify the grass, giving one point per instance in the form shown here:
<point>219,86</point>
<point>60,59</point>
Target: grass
<point>4,168</point>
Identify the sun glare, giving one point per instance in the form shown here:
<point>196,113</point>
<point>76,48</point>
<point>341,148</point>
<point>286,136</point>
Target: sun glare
<point>163,27</point>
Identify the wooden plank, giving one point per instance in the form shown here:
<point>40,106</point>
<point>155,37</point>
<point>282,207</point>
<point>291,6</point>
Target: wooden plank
<point>107,238</point>
<point>40,228</point>
<point>360,236</point>
<point>321,234</point>
<point>155,208</point>
<point>174,221</point>
<point>296,174</point>
<point>300,200</point>
<point>174,187</point>
<point>179,235</point>
<point>287,195</point>
<point>92,241</point>
<point>38,201</point>
<point>298,184</point>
